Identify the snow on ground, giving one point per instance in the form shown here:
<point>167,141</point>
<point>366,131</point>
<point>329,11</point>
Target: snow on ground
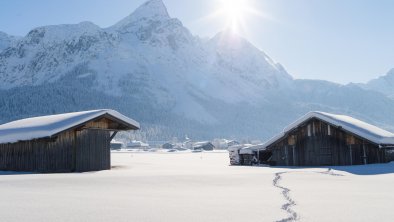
<point>342,196</point>
<point>199,187</point>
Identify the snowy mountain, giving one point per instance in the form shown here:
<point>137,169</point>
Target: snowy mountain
<point>6,40</point>
<point>383,84</point>
<point>150,66</point>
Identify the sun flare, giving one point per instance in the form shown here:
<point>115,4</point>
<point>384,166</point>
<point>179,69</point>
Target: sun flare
<point>235,12</point>
<point>235,15</point>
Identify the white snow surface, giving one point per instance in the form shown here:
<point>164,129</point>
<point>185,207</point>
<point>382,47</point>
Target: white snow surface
<point>149,187</point>
<point>47,126</point>
<point>358,127</point>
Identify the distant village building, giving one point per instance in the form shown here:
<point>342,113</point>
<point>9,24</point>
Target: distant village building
<point>188,145</point>
<point>207,146</point>
<point>323,139</point>
<point>137,145</point>
<point>232,143</point>
<point>116,145</point>
<point>70,142</point>
<point>224,143</point>
<point>168,146</point>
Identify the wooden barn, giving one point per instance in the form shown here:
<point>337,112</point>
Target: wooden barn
<point>323,139</point>
<point>70,142</point>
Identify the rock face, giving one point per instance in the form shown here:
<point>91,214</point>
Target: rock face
<point>152,68</point>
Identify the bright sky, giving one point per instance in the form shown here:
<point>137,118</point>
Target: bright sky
<point>336,40</point>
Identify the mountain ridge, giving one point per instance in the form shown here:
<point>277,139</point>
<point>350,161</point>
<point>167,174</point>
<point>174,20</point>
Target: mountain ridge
<point>383,84</point>
<point>6,40</point>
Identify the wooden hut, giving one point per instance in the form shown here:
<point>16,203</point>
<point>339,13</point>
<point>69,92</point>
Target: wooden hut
<point>319,139</point>
<point>70,142</point>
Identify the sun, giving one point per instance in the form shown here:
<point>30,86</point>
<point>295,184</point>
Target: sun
<point>234,12</point>
<point>234,15</point>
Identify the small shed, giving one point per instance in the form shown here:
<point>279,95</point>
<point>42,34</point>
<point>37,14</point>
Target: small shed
<point>70,142</point>
<point>322,139</point>
<point>247,154</point>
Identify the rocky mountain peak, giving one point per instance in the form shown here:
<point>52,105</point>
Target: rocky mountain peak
<point>152,10</point>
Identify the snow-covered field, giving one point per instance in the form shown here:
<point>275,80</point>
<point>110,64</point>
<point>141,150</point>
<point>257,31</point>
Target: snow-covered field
<point>199,187</point>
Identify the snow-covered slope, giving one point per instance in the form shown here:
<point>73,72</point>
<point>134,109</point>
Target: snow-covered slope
<point>383,84</point>
<point>47,53</point>
<point>151,67</point>
<point>6,40</point>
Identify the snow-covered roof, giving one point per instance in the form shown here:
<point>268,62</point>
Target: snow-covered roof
<point>135,143</point>
<point>246,148</point>
<point>236,147</point>
<point>48,126</point>
<point>252,148</point>
<point>201,144</point>
<point>365,130</point>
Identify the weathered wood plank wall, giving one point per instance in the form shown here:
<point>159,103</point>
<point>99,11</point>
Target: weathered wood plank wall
<point>85,150</point>
<point>38,155</point>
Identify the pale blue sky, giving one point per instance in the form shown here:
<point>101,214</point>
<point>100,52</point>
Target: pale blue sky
<point>336,40</point>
